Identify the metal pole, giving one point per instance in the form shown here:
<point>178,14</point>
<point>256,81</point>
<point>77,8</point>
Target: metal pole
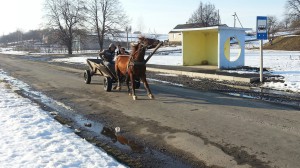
<point>234,19</point>
<point>218,17</point>
<point>127,40</point>
<point>261,62</point>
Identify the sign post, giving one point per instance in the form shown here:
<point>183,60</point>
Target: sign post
<point>261,34</point>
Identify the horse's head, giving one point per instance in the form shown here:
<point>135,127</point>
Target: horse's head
<point>139,49</point>
<point>149,42</point>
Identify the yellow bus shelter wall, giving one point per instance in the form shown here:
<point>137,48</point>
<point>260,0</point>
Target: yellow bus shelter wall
<point>227,49</point>
<point>193,48</point>
<point>212,48</point>
<point>200,47</point>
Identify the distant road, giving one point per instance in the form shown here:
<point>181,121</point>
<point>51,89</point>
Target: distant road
<point>204,127</point>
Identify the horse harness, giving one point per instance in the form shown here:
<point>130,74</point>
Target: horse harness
<point>135,63</point>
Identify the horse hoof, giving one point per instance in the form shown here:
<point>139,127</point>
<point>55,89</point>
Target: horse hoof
<point>129,94</point>
<point>118,88</point>
<point>151,96</point>
<point>134,97</point>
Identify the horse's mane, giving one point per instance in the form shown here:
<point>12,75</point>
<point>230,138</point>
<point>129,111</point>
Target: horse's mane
<point>146,43</point>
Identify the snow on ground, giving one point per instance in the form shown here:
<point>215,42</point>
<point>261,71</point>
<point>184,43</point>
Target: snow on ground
<point>167,56</point>
<point>284,63</point>
<point>79,59</point>
<point>11,51</point>
<point>30,137</point>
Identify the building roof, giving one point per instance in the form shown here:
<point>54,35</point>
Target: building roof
<point>192,25</point>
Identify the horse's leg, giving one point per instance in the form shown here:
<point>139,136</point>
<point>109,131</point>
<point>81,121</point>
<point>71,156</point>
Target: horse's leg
<point>127,83</point>
<point>144,80</point>
<point>132,86</point>
<point>118,85</point>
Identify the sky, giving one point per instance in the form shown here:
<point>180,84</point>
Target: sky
<point>163,15</point>
<point>21,15</point>
<point>159,16</point>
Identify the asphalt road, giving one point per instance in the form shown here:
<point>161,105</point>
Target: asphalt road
<point>200,127</point>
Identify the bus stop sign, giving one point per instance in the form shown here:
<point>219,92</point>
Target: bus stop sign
<point>262,27</point>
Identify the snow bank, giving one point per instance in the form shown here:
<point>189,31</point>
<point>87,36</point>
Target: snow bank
<point>11,51</point>
<point>32,138</point>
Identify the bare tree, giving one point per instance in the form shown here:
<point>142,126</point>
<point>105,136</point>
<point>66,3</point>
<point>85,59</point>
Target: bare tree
<point>66,16</point>
<point>108,17</point>
<point>16,36</point>
<point>293,8</point>
<point>273,27</point>
<point>286,22</point>
<point>205,14</point>
<point>293,12</point>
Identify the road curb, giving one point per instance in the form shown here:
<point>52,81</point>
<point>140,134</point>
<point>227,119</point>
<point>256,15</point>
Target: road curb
<point>205,75</point>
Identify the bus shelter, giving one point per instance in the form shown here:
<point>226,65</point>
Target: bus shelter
<point>211,46</point>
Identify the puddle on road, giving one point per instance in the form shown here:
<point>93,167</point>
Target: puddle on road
<point>110,135</point>
<point>82,124</point>
<point>121,140</point>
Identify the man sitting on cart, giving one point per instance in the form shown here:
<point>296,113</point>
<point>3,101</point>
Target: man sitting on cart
<point>121,50</point>
<point>108,56</point>
<point>124,52</point>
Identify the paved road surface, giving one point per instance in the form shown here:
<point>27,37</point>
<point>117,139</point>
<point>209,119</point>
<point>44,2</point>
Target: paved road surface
<point>205,127</point>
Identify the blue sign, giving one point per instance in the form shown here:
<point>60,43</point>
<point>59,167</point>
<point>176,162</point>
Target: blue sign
<point>262,27</point>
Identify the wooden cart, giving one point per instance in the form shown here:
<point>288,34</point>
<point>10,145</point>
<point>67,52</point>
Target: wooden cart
<point>96,67</point>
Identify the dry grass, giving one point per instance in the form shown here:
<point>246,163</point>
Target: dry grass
<point>285,43</point>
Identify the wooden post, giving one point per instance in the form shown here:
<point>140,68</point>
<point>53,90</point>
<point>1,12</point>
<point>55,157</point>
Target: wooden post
<point>151,54</point>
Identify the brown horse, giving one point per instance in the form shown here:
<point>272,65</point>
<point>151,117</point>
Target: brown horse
<point>134,66</point>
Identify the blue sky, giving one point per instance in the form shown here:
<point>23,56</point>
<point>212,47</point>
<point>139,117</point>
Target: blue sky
<point>157,15</point>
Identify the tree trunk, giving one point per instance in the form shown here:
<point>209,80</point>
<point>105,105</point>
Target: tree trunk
<point>100,41</point>
<point>99,35</point>
<point>70,46</point>
<point>70,50</point>
<point>70,41</point>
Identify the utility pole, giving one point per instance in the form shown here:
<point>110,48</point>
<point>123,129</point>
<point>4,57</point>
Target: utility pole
<point>127,29</point>
<point>218,17</point>
<point>234,19</point>
<point>235,16</point>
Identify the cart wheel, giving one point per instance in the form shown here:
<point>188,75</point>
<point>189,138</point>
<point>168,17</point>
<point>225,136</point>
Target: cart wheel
<point>137,84</point>
<point>107,84</point>
<point>87,76</point>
